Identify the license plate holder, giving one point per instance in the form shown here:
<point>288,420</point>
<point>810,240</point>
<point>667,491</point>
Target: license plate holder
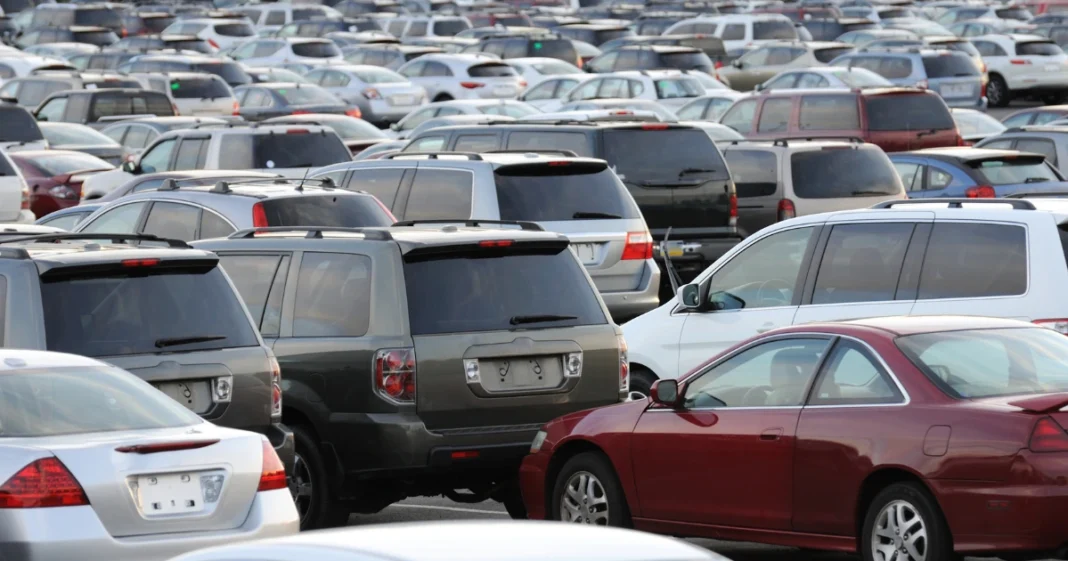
<point>195,395</point>
<point>956,90</point>
<point>504,90</point>
<point>402,100</point>
<point>169,494</point>
<point>586,252</point>
<point>521,373</point>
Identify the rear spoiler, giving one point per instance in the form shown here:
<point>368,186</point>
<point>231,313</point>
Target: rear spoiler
<point>1043,403</point>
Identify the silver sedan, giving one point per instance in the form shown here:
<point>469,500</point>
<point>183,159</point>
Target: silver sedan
<point>97,464</point>
<point>383,96</point>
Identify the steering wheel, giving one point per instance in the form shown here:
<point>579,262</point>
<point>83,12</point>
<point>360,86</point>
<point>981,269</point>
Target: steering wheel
<point>778,298</point>
<point>747,399</point>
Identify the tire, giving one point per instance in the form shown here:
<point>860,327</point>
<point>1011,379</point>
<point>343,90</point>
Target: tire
<point>895,517</point>
<point>1053,99</point>
<point>606,506</point>
<point>641,380</point>
<point>997,92</point>
<point>443,97</point>
<point>311,488</point>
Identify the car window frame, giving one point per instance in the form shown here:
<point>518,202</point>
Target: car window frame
<point>900,399</point>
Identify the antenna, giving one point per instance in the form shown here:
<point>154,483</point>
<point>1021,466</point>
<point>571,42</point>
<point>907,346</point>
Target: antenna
<point>302,180</point>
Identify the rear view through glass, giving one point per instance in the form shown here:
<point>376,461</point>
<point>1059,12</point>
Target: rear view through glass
<point>493,70</point>
<point>316,50</point>
<point>908,112</point>
<point>199,88</point>
<point>295,150</point>
<point>235,30</point>
<point>774,29</point>
<point>1014,170</point>
<point>325,210</point>
<point>18,125</point>
<point>576,191</point>
<point>450,27</point>
<point>949,65</point>
<point>103,17</point>
<point>1038,49</point>
<point>821,174</point>
<point>687,61</point>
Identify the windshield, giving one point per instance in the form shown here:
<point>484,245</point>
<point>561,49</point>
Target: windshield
<point>325,210</point>
<point>817,174</point>
<point>991,362</point>
<point>907,112</point>
<point>1014,171</point>
<point>65,134</point>
<point>199,88</point>
<point>316,50</point>
<point>543,193</point>
<point>379,76</point>
<point>69,163</point>
<point>659,156</point>
<point>17,125</point>
<point>308,95</point>
<point>235,30</point>
<point>231,72</point>
<point>974,123</point>
<point>450,27</point>
<point>131,311</point>
<point>775,29</point>
<point>950,64</point>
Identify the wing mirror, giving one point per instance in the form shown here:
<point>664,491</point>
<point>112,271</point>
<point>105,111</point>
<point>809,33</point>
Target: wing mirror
<point>737,63</point>
<point>131,167</point>
<point>690,296</point>
<point>394,126</point>
<point>666,392</point>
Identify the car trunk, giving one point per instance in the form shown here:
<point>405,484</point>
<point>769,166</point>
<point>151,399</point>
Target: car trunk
<point>819,184</point>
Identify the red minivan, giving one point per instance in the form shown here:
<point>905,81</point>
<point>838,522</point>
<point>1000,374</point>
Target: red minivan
<point>895,119</point>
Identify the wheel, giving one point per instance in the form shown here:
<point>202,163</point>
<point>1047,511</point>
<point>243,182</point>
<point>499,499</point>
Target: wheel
<point>641,380</point>
<point>997,92</point>
<point>587,491</point>
<point>310,485</point>
<point>904,523</point>
<point>443,97</point>
<point>1053,99</point>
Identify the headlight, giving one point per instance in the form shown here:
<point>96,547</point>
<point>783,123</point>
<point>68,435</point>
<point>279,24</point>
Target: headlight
<point>539,439</point>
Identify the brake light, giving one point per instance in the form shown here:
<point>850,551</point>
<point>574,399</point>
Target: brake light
<point>213,43</point>
<point>236,109</point>
<point>273,476</point>
<point>296,131</point>
<point>980,192</point>
<point>44,483</point>
<point>558,164</point>
<point>25,198</point>
<point>300,112</point>
<point>354,113</point>
<point>471,85</point>
<point>464,455</point>
<point>1048,436</point>
<point>522,83</point>
<point>786,210</point>
<point>733,210</point>
<point>276,388</point>
<point>371,93</point>
<point>395,374</point>
<point>165,446</point>
<point>1019,61</point>
<point>495,243</point>
<point>1058,325</point>
<point>718,65</point>
<point>259,216</point>
<point>624,364</point>
<point>140,262</point>
<point>639,246</point>
<point>655,127</point>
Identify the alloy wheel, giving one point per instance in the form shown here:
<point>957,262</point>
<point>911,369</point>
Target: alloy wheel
<point>584,500</point>
<point>900,533</point>
<point>993,93</point>
<point>300,486</point>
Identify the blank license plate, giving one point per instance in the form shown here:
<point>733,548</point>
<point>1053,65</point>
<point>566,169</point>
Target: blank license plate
<point>503,90</point>
<point>1051,68</point>
<point>195,396</point>
<point>402,99</point>
<point>586,252</point>
<point>521,373</point>
<point>170,494</point>
<point>956,90</point>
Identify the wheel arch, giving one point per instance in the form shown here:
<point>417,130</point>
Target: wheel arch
<point>880,479</point>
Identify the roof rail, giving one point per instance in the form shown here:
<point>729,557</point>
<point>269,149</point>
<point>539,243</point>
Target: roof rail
<point>1038,194</point>
<point>786,141</point>
<point>314,232</point>
<point>564,153</point>
<point>1016,204</point>
<point>476,223</point>
<point>435,155</point>
<point>114,238</point>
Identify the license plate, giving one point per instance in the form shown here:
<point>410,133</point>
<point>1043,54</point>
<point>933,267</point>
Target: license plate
<point>586,252</point>
<point>520,373</point>
<point>956,90</point>
<point>177,493</point>
<point>1051,68</point>
<point>402,100</point>
<point>504,90</point>
<point>195,396</point>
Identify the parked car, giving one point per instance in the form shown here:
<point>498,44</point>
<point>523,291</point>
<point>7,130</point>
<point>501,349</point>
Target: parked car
<point>951,74</point>
<point>382,96</point>
<point>89,34</point>
<point>1035,116</point>
<point>54,177</point>
<point>219,33</point>
<point>592,33</point>
<point>146,43</point>
<point>463,76</point>
<point>135,133</point>
<point>538,68</point>
<point>551,93</point>
<point>186,178</point>
<point>518,46</point>
<point>651,57</point>
<point>1041,74</point>
<point>233,73</point>
<point>357,134</point>
<point>502,108</point>
<point>195,93</point>
<point>30,91</point>
<point>737,30</point>
<point>387,55</point>
<point>100,107</point>
<point>972,173</point>
<point>263,101</point>
<point>670,88</point>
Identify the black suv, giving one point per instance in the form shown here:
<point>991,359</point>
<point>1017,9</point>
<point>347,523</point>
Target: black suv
<point>674,172</point>
<point>100,108</point>
<point>519,46</point>
<point>421,360</point>
<point>166,314</point>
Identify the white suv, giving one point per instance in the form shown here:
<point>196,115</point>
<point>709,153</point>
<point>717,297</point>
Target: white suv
<point>463,76</point>
<point>999,257</point>
<point>284,50</point>
<point>219,33</point>
<point>739,30</point>
<point>1023,65</point>
<point>671,88</point>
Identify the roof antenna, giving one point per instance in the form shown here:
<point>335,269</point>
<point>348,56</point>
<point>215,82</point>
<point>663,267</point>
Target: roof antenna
<point>302,179</point>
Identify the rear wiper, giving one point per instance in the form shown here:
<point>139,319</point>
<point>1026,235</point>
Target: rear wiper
<point>859,192</point>
<point>1036,180</point>
<point>688,171</point>
<point>519,320</point>
<point>175,341</point>
<point>583,214</point>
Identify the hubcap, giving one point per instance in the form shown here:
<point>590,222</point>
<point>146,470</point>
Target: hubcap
<point>900,534</point>
<point>584,500</point>
<point>300,486</point>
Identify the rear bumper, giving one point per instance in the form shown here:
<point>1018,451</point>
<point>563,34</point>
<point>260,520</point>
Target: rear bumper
<point>67,533</point>
<point>633,303</point>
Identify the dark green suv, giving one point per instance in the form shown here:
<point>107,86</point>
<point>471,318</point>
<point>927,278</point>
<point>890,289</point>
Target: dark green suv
<point>421,359</point>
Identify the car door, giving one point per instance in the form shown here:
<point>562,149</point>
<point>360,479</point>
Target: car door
<point>748,292</point>
<point>725,456</point>
<point>435,76</point>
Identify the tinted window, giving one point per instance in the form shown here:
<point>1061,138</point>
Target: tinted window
<point>577,142</point>
<point>1015,170</point>
<point>561,49</point>
<point>143,311</point>
<point>235,30</point>
<point>199,88</point>
<point>189,152</point>
<point>325,210</point>
<point>862,263</point>
<point>440,193</point>
<point>18,125</point>
<point>486,290</point>
<point>686,61</point>
<point>212,226</point>
<point>316,50</point>
<point>755,173</point>
<point>949,65</point>
<point>660,155</point>
<point>827,55</point>
<point>450,27</point>
<point>775,115</point>
<point>912,112</point>
<point>491,71</point>
<point>548,193</point>
<point>969,260</point>
<point>740,116</point>
<point>818,174</point>
<point>767,30</point>
<point>736,32</point>
<point>1038,146</point>
<point>333,295</point>
<point>173,220</point>
<point>295,150</point>
<point>230,72</point>
<point>382,183</point>
<point>774,374</point>
<point>1038,49</point>
<point>253,275</point>
<point>102,17</point>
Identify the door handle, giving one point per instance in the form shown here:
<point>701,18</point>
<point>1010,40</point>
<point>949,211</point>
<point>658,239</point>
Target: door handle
<point>771,434</point>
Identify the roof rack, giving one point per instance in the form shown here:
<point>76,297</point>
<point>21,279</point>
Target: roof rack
<point>1039,194</point>
<point>476,223</point>
<point>1016,204</point>
<point>564,153</point>
<point>435,155</point>
<point>223,186</point>
<point>786,141</point>
<point>114,238</point>
<point>314,232</point>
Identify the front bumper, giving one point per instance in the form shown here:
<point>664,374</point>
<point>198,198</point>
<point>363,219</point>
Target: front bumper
<point>68,533</point>
<point>532,485</point>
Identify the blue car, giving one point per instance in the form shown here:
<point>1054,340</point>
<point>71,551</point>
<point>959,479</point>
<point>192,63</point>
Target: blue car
<point>951,74</point>
<point>975,173</point>
<point>68,218</point>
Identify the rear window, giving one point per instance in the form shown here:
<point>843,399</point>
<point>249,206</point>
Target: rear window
<point>949,65</point>
<point>974,260</point>
<point>316,50</point>
<point>577,142</point>
<point>678,87</point>
<point>561,49</point>
<point>767,30</point>
<point>755,173</point>
<point>575,191</point>
<point>907,112</point>
<point>498,290</point>
<point>144,311</point>
<point>291,150</point>
<point>1038,49</point>
<point>198,88</point>
<point>450,27</point>
<point>157,24</point>
<point>115,105</point>
<point>818,174</point>
<point>18,125</point>
<point>235,30</point>
<point>664,156</point>
<point>95,37</point>
<point>827,55</point>
<point>686,61</point>
<point>325,210</point>
<point>493,70</point>
<point>307,95</point>
<point>231,72</point>
<point>1014,171</point>
<point>103,17</point>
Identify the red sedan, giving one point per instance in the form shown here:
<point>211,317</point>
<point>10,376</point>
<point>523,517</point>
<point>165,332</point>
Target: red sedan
<point>902,439</point>
<point>55,177</point>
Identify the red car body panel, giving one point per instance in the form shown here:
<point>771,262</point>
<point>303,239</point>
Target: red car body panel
<point>797,476</point>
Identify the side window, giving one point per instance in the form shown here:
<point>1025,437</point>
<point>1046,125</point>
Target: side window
<point>636,88</point>
<point>755,173</point>
<point>604,63</point>
<point>862,263</point>
<point>382,183</point>
<point>693,111</point>
<point>396,27</point>
<point>1045,117</point>
<point>426,144</point>
<point>1018,120</point>
<point>275,17</point>
<point>938,179</point>
<point>212,226</point>
<point>970,260</point>
<point>255,277</point>
<point>585,91</point>
<point>436,69</point>
<point>53,110</point>
<point>911,176</point>
<point>475,143</point>
<point>740,116</point>
<point>895,68</point>
<point>851,377</point>
<point>613,87</point>
<point>417,29</point>
<point>333,295</point>
<point>253,98</point>
<point>733,32</point>
<point>782,55</point>
<point>173,220</point>
<point>441,194</point>
<point>756,57</point>
<point>763,275</point>
<point>414,69</point>
<point>158,157</point>
<point>515,48</point>
<point>785,82</point>
<point>773,374</point>
<point>1039,146</point>
<point>809,80</point>
<point>116,133</point>
<point>189,153</point>
<point>119,220</point>
<point>775,117</point>
<point>544,90</point>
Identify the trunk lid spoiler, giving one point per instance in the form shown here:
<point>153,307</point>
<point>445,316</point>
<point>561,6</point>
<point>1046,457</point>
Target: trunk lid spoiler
<point>1043,403</point>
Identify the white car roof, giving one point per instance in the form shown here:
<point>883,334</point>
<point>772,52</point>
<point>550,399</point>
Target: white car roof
<point>17,359</point>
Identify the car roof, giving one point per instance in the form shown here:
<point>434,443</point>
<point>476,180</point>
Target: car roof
<point>13,360</point>
<point>968,154</point>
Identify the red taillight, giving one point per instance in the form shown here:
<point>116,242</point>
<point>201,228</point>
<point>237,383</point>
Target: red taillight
<point>558,164</point>
<point>655,127</point>
<point>1019,61</point>
<point>276,389</point>
<point>496,243</point>
<point>25,199</point>
<point>296,131</point>
<point>236,109</point>
<point>464,455</point>
<point>624,364</point>
<point>354,112</point>
<point>140,262</point>
<point>980,192</point>
<point>273,476</point>
<point>639,246</point>
<point>471,85</point>
<point>522,83</point>
<point>395,374</point>
<point>42,484</point>
<point>786,210</point>
<point>733,209</point>
<point>1048,436</point>
<point>960,140</point>
<point>259,216</point>
<point>1058,325</point>
<point>719,64</point>
<point>300,112</point>
<point>125,33</point>
<point>213,43</point>
<point>165,446</point>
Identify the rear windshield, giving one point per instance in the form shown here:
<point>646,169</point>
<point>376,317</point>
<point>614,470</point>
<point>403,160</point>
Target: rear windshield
<point>144,311</point>
<point>70,163</point>
<point>114,105</point>
<point>103,17</point>
<point>316,50</point>
<point>817,174</point>
<point>307,95</point>
<point>1021,14</point>
<point>83,399</point>
<point>290,150</point>
<point>1039,49</point>
<point>95,37</point>
<point>686,61</point>
<point>678,87</point>
<point>493,70</point>
<point>234,29</point>
<point>827,55</point>
<point>577,142</point>
<point>908,112</point>
<point>198,88</point>
<point>661,156</point>
<point>767,30</point>
<point>1014,171</point>
<point>325,210</point>
<point>450,27</point>
<point>561,49</point>
<point>544,193</point>
<point>231,72</point>
<point>157,24</point>
<point>301,14</point>
<point>755,172</point>
<point>17,125</point>
<point>498,290</point>
<point>949,65</point>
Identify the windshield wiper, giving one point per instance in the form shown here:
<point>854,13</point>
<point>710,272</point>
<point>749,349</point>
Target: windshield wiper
<point>175,341</point>
<point>583,214</point>
<point>688,171</point>
<point>519,320</point>
<point>1036,180</point>
<point>861,192</point>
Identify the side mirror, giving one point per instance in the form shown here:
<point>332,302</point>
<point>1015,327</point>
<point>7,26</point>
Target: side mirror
<point>759,87</point>
<point>690,296</point>
<point>394,126</point>
<point>666,392</point>
<point>737,63</point>
<point>130,167</point>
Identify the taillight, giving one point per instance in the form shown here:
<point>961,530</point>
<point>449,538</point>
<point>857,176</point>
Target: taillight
<point>522,83</point>
<point>639,246</point>
<point>980,192</point>
<point>236,109</point>
<point>1019,61</point>
<point>1048,436</point>
<point>624,364</point>
<point>786,210</point>
<point>655,127</point>
<point>151,262</point>
<point>42,484</point>
<point>719,64</point>
<point>371,93</point>
<point>471,85</point>
<point>395,374</point>
<point>354,112</point>
<point>259,216</point>
<point>300,112</point>
<point>273,476</point>
<point>1058,325</point>
<point>213,43</point>
<point>960,140</point>
<point>276,388</point>
<point>733,210</point>
<point>25,198</point>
